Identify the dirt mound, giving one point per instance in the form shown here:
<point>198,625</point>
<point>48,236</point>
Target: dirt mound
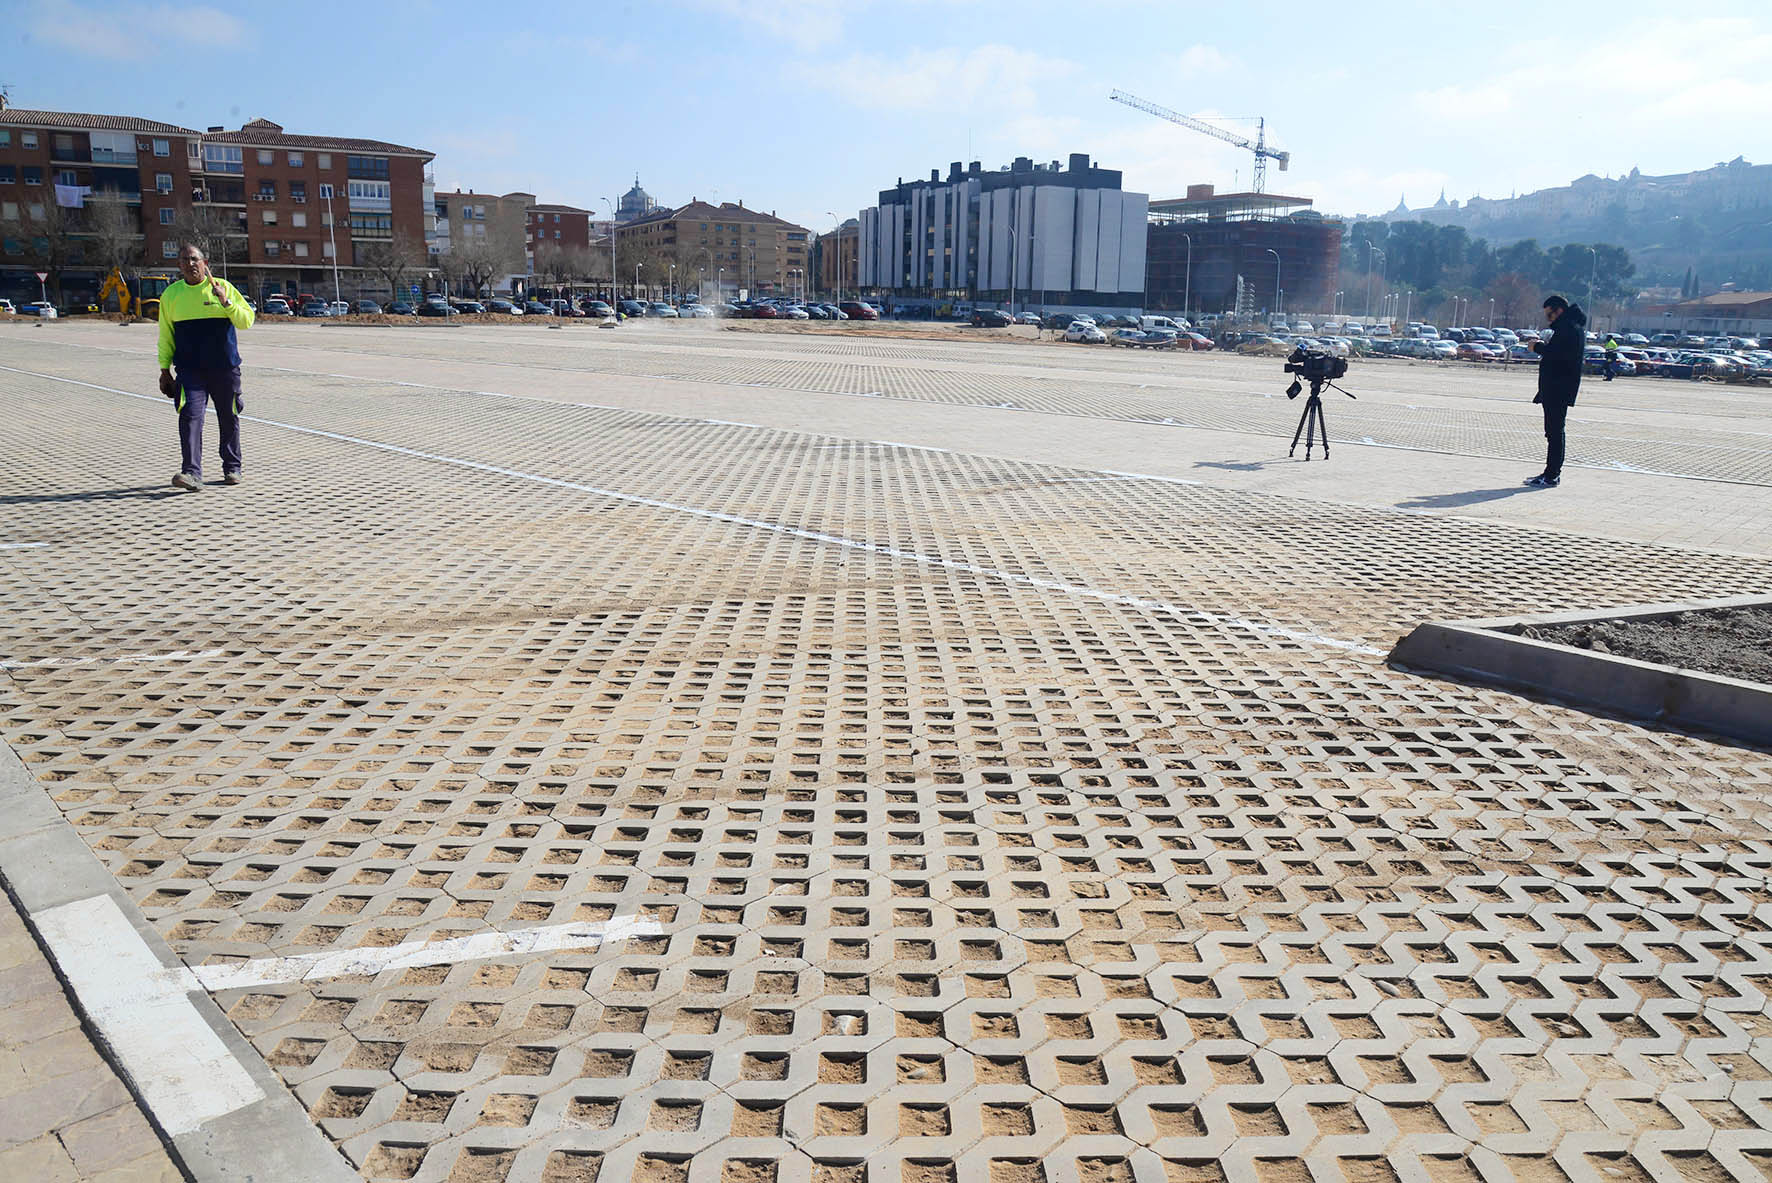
<point>1730,642</point>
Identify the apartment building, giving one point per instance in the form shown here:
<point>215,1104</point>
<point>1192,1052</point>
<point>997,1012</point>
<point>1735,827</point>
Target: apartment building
<point>472,224</point>
<point>835,259</point>
<point>564,226</point>
<point>1026,234</point>
<point>143,166</point>
<point>276,208</point>
<point>727,245</point>
<point>311,202</point>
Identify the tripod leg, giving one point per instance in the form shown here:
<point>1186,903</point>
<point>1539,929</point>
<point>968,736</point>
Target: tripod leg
<point>1323,427</point>
<point>1303,419</point>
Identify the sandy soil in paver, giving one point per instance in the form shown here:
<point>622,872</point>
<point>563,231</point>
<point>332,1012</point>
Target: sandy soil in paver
<point>994,815</point>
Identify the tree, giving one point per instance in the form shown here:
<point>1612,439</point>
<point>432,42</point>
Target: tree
<point>211,231</point>
<point>478,266</point>
<point>1515,296</point>
<point>44,232</point>
<point>449,270</point>
<point>392,259</point>
<point>113,235</point>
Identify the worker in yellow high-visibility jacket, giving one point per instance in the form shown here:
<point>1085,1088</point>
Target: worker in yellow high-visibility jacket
<point>198,315</point>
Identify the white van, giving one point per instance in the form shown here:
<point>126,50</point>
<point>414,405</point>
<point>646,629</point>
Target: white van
<point>1162,322</point>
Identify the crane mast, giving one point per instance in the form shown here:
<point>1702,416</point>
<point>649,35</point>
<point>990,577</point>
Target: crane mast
<point>1258,145</point>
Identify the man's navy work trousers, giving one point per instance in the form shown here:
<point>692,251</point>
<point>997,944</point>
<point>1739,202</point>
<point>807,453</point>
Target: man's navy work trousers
<point>196,389</point>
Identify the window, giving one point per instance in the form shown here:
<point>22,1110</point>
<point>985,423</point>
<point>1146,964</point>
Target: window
<point>371,225</point>
<point>67,176</point>
<point>273,250</point>
<point>163,182</point>
<point>5,139</point>
<point>33,175</point>
<point>298,192</point>
<point>326,249</point>
<point>8,212</point>
<point>266,156</point>
<point>295,160</point>
<point>556,217</point>
<point>267,191</point>
<point>370,168</point>
<point>223,158</point>
<point>163,147</point>
<point>169,249</point>
<point>27,140</point>
<point>298,220</point>
<point>301,250</point>
<point>8,175</point>
<point>326,219</point>
<point>324,160</point>
<point>269,217</point>
<point>166,215</point>
<point>326,193</point>
<point>108,147</point>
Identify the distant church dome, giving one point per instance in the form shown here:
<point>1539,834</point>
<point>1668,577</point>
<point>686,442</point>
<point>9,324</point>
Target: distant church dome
<point>635,203</point>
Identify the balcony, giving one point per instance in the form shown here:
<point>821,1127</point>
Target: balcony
<point>75,155</point>
<point>112,156</point>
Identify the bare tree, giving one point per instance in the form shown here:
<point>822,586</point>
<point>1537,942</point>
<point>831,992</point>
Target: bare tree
<point>450,270</point>
<point>554,263</point>
<point>113,235</point>
<point>211,230</point>
<point>45,231</point>
<point>1515,297</point>
<point>393,259</point>
<point>478,266</point>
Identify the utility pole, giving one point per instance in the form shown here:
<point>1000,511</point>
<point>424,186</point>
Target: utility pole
<point>612,271</point>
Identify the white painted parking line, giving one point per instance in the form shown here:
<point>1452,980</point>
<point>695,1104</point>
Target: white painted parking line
<point>141,1009</point>
<point>110,659</point>
<point>307,967</point>
<point>1142,603</point>
<point>21,545</point>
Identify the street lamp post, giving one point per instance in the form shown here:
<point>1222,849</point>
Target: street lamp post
<point>671,288</point>
<point>837,245</point>
<point>1187,276</point>
<point>1278,310</point>
<point>332,237</point>
<point>1491,323</point>
<point>637,267</point>
<point>612,271</point>
<point>1593,305</point>
<point>720,285</point>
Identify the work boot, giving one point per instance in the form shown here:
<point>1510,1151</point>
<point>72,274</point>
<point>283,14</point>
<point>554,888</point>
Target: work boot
<point>186,481</point>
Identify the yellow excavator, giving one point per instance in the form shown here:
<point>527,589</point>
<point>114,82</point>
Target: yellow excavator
<point>146,297</point>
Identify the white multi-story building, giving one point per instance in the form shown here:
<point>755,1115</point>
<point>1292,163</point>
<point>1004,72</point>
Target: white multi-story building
<point>1028,235</point>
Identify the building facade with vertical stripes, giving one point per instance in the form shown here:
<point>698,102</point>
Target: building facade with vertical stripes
<point>1031,235</point>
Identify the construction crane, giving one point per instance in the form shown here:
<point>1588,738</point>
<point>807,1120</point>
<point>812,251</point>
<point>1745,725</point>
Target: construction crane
<point>1258,145</point>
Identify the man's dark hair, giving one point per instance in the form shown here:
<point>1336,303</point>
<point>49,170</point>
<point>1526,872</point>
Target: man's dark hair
<point>1556,302</point>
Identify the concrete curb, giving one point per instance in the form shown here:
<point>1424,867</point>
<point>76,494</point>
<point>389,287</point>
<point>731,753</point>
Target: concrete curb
<point>1492,651</point>
<point>45,866</point>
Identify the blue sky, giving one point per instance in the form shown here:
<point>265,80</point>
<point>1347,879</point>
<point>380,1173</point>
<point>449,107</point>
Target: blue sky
<point>803,107</point>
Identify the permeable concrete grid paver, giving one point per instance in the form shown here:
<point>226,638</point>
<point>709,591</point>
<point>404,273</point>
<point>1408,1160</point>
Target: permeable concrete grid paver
<point>898,815</point>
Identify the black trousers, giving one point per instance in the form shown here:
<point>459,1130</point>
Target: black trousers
<point>1555,414</point>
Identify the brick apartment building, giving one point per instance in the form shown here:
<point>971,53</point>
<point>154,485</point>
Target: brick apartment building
<point>275,205</point>
<point>727,244</point>
<point>143,165</point>
<point>835,259</point>
<point>470,222</point>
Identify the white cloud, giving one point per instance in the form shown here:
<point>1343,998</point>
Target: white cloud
<point>1205,59</point>
<point>125,32</point>
<point>806,24</point>
<point>993,77</point>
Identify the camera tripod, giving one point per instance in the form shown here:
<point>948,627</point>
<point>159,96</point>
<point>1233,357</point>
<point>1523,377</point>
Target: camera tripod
<point>1311,424</point>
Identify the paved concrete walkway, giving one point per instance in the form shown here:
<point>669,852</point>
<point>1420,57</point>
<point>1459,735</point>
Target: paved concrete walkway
<point>64,1115</point>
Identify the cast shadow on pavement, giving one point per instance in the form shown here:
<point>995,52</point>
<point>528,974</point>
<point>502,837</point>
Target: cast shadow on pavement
<point>1233,465</point>
<point>137,493</point>
<point>1471,497</point>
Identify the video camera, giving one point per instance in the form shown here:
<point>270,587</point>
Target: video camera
<point>1315,367</point>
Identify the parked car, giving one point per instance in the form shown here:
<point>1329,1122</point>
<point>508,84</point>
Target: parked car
<point>1085,332</point>
<point>659,308</point>
<point>537,308</point>
<point>436,308</point>
<point>631,308</point>
<point>277,306</point>
<point>991,318</point>
<point>503,307</point>
<point>696,312</point>
<point>398,308</point>
<point>856,310</point>
<point>1028,318</point>
<point>42,309</point>
<point>791,312</point>
<point>6,308</point>
<point>470,307</point>
<point>1472,351</point>
<point>316,310</point>
<point>833,312</point>
<point>338,308</point>
<point>1199,342</point>
<point>762,312</point>
<point>598,308</point>
<point>366,308</point>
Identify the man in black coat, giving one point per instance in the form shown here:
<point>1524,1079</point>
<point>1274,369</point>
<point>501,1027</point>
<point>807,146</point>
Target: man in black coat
<point>1559,378</point>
